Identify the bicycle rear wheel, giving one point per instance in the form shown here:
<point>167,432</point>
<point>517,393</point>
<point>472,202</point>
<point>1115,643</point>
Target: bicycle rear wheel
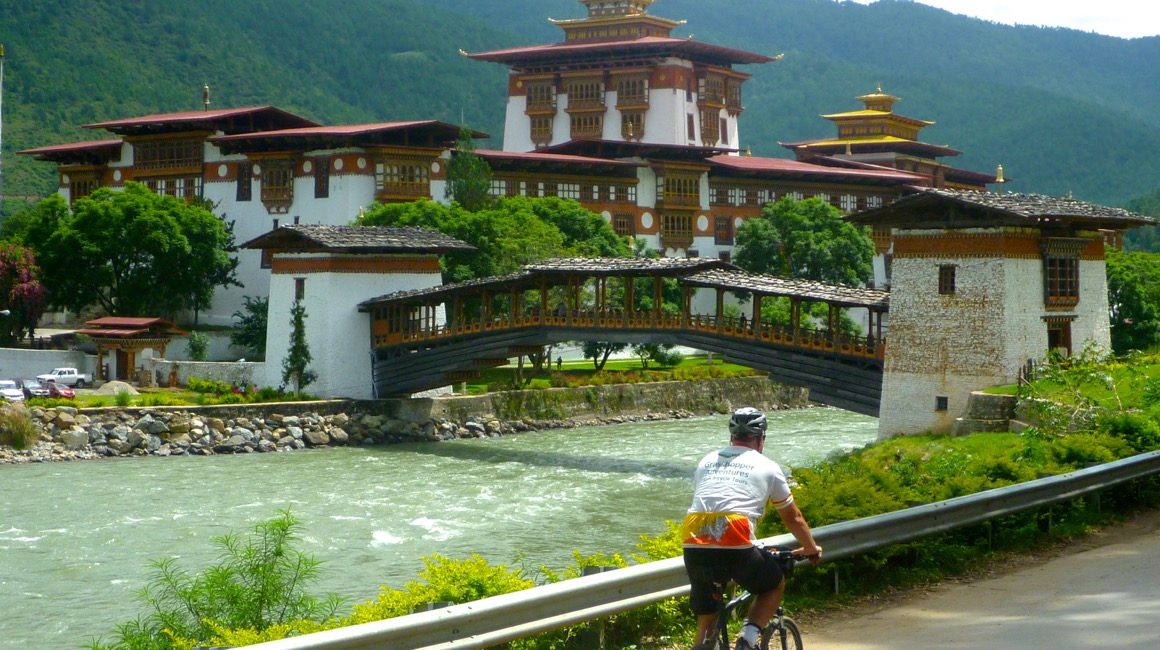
<point>782,634</point>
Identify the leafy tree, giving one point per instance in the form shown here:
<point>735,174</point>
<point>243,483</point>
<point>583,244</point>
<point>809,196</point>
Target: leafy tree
<point>295,367</point>
<point>807,240</point>
<point>468,175</point>
<point>131,252</point>
<point>1148,237</point>
<point>586,234</point>
<point>21,293</point>
<point>1134,300</point>
<point>662,353</point>
<point>250,329</point>
<point>599,351</point>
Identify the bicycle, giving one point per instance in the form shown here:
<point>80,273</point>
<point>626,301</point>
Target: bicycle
<point>782,633</point>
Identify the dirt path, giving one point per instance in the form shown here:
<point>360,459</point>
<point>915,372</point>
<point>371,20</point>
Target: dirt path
<point>1099,592</point>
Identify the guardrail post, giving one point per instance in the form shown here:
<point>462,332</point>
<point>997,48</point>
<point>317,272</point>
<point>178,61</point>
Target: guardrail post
<point>430,607</point>
<point>593,637</point>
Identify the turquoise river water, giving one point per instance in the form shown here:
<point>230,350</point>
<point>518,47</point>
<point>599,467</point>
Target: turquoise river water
<point>77,539</point>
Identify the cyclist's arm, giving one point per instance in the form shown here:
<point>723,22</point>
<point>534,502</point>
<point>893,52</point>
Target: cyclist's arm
<point>797,526</point>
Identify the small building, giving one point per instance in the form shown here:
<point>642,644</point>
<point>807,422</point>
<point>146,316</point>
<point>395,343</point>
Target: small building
<point>981,285</point>
<point>330,270</point>
<point>123,339</point>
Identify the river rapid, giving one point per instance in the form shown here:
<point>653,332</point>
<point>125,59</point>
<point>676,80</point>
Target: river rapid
<point>77,539</point>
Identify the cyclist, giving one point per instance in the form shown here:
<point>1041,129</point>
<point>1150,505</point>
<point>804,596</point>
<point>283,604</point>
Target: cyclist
<point>731,489</point>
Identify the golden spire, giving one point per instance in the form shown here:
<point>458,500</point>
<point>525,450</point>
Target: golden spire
<point>999,180</point>
<point>205,96</point>
<point>748,151</point>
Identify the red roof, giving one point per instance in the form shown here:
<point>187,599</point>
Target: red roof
<point>785,166</point>
<point>533,156</point>
<point>87,145</point>
<point>113,333</point>
<point>638,46</point>
<point>230,120</point>
<point>340,130</point>
<point>127,321</point>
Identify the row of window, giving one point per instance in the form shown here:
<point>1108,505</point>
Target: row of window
<point>756,197</point>
<point>611,193</point>
<point>1060,281</point>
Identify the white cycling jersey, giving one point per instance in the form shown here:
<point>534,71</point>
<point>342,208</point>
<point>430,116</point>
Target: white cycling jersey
<point>732,487</point>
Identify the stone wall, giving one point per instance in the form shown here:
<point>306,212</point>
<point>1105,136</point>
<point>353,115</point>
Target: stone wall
<point>70,434</point>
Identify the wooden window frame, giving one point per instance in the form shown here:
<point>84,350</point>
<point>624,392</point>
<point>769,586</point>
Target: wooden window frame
<point>723,230</point>
<point>245,188</point>
<point>322,179</point>
<point>946,279</point>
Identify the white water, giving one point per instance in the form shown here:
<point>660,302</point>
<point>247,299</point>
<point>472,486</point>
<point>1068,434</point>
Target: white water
<point>76,539</point>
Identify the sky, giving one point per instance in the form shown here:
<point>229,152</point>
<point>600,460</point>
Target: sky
<point>1123,18</point>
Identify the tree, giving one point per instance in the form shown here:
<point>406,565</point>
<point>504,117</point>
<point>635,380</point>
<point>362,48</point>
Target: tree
<point>468,175</point>
<point>21,293</point>
<point>1134,300</point>
<point>808,240</point>
<point>295,367</point>
<point>250,326</point>
<point>130,252</point>
<point>599,351</point>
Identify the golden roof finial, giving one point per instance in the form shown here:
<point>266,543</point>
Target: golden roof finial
<point>205,96</point>
<point>748,151</point>
<point>999,180</point>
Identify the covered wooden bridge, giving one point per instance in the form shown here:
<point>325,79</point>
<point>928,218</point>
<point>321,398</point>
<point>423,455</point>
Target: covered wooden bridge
<point>434,337</point>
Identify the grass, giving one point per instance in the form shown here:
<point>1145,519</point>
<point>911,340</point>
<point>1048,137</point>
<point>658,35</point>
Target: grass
<point>583,373</point>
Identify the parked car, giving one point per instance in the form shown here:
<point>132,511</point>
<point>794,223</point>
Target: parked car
<point>60,391</point>
<point>68,377</point>
<point>32,388</point>
<point>10,391</point>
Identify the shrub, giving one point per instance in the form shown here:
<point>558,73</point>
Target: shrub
<point>123,398</point>
<point>260,583</point>
<point>16,428</point>
<point>1138,430</point>
<point>209,386</point>
<point>198,346</point>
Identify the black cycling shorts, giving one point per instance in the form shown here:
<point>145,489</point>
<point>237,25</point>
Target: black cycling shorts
<point>710,569</point>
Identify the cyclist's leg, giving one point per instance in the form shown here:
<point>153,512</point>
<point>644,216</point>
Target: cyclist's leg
<point>762,576</point>
<point>707,578</point>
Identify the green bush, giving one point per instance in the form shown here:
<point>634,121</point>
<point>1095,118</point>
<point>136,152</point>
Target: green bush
<point>16,427</point>
<point>198,346</point>
<point>209,386</point>
<point>259,583</point>
<point>123,398</point>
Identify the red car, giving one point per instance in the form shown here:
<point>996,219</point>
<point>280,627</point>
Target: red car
<point>60,391</point>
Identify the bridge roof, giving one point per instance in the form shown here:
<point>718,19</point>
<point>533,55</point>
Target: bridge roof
<point>944,208</point>
<point>770,285</point>
<point>530,274</point>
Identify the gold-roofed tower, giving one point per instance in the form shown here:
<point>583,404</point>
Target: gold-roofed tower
<point>616,20</point>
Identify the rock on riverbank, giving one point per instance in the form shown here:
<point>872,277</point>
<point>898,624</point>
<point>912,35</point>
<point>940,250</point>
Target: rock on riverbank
<point>66,433</point>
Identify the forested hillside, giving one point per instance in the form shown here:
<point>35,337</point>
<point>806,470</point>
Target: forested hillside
<point>1061,110</point>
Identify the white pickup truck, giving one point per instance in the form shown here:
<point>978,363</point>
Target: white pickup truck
<point>67,376</point>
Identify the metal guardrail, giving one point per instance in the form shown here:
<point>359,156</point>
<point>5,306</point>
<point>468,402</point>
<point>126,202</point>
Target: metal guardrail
<point>494,620</point>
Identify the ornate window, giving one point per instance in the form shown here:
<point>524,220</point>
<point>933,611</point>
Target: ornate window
<point>710,126</point>
<point>632,92</point>
<point>676,230</point>
<point>1061,271</point>
<point>624,224</point>
<point>587,126</point>
<point>723,230</point>
<point>321,178</point>
<point>541,130</point>
<point>403,179</point>
<point>277,185</point>
<point>632,125</point>
<point>167,155</point>
<point>849,203</point>
<point>733,96</point>
<point>245,191</point>
<point>874,202</point>
<point>82,185</point>
<point>585,94</point>
<point>183,187</point>
<point>711,90</point>
<point>499,187</point>
<point>676,188</point>
<point>541,97</point>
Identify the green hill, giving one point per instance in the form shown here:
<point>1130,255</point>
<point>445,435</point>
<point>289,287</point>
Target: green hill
<point>1063,111</point>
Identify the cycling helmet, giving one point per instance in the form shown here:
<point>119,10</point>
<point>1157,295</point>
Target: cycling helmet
<point>747,422</point>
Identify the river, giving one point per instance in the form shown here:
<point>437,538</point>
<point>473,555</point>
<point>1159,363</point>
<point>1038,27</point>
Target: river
<point>76,539</point>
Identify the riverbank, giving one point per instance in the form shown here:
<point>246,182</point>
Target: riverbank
<point>65,433</point>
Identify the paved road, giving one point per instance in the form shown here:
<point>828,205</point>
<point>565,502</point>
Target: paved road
<point>1103,593</point>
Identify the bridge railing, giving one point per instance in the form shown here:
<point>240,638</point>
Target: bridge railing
<point>491,621</point>
<point>733,327</point>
